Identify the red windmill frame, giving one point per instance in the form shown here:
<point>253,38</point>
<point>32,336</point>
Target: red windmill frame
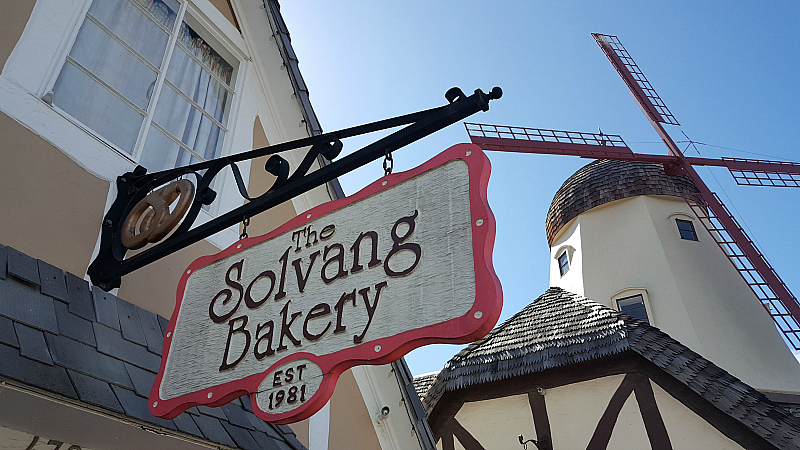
<point>712,213</point>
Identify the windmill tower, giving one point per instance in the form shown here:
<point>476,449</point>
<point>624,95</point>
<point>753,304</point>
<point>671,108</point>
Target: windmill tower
<point>643,234</point>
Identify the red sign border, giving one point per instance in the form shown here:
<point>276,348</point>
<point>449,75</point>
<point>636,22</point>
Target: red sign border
<point>463,329</point>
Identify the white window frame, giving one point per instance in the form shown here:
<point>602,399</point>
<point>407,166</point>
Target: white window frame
<point>227,40</point>
<point>630,292</point>
<point>564,250</point>
<point>688,218</point>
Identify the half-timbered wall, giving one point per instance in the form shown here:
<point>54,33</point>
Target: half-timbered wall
<point>620,402</point>
<point>614,412</point>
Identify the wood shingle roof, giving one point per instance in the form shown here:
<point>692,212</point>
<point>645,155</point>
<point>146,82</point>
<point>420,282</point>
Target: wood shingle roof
<point>604,181</point>
<point>561,328</point>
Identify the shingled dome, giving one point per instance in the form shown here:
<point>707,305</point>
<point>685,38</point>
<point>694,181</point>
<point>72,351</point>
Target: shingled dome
<point>604,181</point>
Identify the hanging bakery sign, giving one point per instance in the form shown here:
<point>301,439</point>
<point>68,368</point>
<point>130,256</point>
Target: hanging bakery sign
<point>403,263</point>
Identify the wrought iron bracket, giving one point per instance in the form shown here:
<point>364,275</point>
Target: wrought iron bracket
<point>111,264</point>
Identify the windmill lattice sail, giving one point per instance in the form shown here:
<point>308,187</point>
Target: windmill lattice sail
<point>775,303</point>
<point>747,172</point>
<point>640,88</point>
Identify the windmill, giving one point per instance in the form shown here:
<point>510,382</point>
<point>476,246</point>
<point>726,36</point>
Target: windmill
<point>740,250</point>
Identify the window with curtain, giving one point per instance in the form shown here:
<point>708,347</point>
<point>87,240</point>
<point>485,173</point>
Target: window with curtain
<point>145,80</point>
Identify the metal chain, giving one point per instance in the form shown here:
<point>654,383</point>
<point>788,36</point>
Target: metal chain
<point>245,222</point>
<point>388,163</point>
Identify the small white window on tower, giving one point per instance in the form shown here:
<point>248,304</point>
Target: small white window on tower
<point>563,263</point>
<point>633,306</point>
<point>686,229</point>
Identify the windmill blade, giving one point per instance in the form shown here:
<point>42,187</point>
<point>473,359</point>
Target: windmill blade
<point>641,89</point>
<point>756,172</point>
<point>552,142</point>
<point>751,264</point>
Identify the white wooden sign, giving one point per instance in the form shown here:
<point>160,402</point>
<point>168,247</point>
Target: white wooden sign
<point>362,280</point>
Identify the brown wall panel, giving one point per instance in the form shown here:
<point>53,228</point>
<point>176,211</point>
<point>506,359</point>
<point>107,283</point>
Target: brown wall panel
<point>351,424</point>
<point>153,287</point>
<point>260,181</point>
<point>12,21</point>
<point>301,430</point>
<point>224,6</point>
<point>50,207</point>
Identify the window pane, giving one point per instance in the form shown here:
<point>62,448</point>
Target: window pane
<point>161,152</point>
<point>686,229</point>
<point>173,111</point>
<point>188,124</point>
<point>630,302</point>
<point>106,58</point>
<point>633,306</point>
<point>563,263</point>
<point>97,107</point>
<point>637,313</point>
<point>194,81</point>
<point>136,28</point>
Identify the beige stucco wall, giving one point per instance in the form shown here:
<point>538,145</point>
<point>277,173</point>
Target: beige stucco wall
<point>686,429</point>
<point>351,425</point>
<point>51,208</point>
<point>694,293</point>
<point>497,422</point>
<point>574,411</point>
<point>12,22</point>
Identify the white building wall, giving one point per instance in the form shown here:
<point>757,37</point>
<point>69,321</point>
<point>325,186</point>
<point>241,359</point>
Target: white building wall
<point>693,292</point>
<point>574,411</point>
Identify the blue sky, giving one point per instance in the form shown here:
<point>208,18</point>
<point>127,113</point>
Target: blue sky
<point>728,71</point>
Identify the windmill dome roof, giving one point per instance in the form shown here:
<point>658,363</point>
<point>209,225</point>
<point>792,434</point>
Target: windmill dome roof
<point>604,181</point>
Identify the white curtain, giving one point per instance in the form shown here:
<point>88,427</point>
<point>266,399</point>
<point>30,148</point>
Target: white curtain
<point>100,54</point>
<point>101,109</point>
<point>182,119</point>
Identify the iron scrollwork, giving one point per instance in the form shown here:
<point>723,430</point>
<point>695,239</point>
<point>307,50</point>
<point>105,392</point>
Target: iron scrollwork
<point>141,212</point>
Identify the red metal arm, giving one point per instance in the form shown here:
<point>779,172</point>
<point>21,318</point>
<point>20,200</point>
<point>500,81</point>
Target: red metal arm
<point>554,142</point>
<point>640,88</point>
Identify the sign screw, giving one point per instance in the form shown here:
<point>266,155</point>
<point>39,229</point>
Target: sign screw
<point>169,333</point>
<point>478,314</point>
<point>479,222</point>
<point>469,152</point>
<point>155,404</point>
<point>210,394</point>
<point>377,348</point>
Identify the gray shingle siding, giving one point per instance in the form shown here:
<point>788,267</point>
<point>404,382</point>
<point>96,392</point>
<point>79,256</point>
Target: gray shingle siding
<point>59,335</point>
